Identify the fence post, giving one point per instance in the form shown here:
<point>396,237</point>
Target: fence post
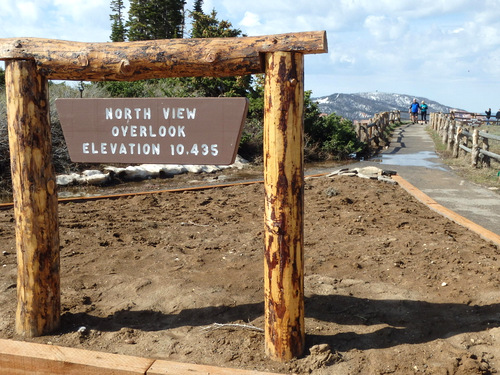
<point>357,129</point>
<point>375,135</point>
<point>445,131</point>
<point>486,160</point>
<point>456,144</point>
<point>475,148</point>
<point>441,124</point>
<point>464,140</point>
<point>366,136</point>
<point>35,200</point>
<point>451,135</point>
<point>284,205</point>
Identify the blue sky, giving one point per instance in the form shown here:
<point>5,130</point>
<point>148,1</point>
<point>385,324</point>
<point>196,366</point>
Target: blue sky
<point>444,50</point>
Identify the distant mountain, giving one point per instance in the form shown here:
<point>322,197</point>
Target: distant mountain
<point>365,104</point>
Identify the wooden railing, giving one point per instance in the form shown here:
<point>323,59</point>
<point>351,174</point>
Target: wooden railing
<point>463,141</point>
<point>373,131</point>
<point>474,119</point>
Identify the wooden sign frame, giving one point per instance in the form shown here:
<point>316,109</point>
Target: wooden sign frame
<point>31,62</point>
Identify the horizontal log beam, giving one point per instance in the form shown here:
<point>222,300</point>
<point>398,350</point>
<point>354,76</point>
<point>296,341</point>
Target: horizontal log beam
<point>465,148</point>
<point>489,136</point>
<point>131,61</point>
<point>490,154</point>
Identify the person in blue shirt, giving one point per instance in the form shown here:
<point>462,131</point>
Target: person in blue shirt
<point>423,111</point>
<point>414,111</point>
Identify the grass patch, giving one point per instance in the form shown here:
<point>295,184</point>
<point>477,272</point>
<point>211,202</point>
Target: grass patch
<point>495,130</point>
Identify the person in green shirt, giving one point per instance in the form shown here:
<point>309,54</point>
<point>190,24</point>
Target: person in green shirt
<point>423,111</point>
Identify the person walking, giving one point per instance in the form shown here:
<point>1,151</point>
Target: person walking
<point>423,111</point>
<point>414,107</point>
<point>488,116</point>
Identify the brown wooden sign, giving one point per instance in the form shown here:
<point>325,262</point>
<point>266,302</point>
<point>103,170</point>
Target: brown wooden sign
<point>153,130</point>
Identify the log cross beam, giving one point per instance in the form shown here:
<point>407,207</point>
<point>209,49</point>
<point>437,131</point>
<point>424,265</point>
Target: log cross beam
<point>31,62</point>
<point>132,61</point>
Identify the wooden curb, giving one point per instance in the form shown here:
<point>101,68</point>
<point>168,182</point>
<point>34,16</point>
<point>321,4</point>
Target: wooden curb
<point>26,358</point>
<point>453,216</point>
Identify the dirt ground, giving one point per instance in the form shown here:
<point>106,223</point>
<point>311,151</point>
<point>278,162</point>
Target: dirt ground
<point>391,287</point>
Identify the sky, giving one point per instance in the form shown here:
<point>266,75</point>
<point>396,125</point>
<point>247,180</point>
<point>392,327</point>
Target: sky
<point>442,50</point>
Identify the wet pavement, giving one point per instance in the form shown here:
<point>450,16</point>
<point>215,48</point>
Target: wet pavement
<point>411,154</point>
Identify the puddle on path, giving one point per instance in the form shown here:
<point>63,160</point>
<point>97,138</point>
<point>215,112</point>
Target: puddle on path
<point>419,159</point>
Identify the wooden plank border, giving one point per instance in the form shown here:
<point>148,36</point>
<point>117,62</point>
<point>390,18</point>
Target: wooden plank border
<point>19,357</point>
<point>26,358</point>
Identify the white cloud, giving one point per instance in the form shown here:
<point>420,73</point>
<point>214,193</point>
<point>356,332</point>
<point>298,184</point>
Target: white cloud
<point>384,28</point>
<point>28,10</point>
<point>338,56</point>
<point>250,20</point>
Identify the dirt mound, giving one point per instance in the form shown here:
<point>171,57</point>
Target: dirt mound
<point>391,287</point>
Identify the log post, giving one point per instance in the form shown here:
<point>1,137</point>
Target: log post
<point>475,148</point>
<point>486,147</point>
<point>451,135</point>
<point>456,143</point>
<point>445,131</point>
<point>284,205</point>
<point>357,128</point>
<point>464,140</point>
<point>35,199</point>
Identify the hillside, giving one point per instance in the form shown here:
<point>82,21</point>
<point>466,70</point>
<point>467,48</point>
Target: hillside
<point>364,105</point>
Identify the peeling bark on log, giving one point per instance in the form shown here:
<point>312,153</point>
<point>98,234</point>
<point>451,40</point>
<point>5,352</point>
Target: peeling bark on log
<point>35,200</point>
<point>131,61</point>
<point>284,205</point>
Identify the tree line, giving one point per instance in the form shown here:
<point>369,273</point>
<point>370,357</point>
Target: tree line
<point>326,137</point>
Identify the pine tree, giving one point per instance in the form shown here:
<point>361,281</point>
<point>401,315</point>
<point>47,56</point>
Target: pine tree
<point>156,19</point>
<point>118,29</point>
<point>208,26</point>
<point>198,6</point>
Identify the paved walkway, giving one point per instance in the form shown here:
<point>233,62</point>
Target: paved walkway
<point>411,154</point>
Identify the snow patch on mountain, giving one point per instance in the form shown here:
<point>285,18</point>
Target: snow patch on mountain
<point>364,105</point>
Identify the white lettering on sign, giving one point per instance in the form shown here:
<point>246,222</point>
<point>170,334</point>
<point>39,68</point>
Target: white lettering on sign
<point>179,113</point>
<point>121,148</point>
<point>144,131</point>
<point>203,150</point>
<point>128,113</point>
